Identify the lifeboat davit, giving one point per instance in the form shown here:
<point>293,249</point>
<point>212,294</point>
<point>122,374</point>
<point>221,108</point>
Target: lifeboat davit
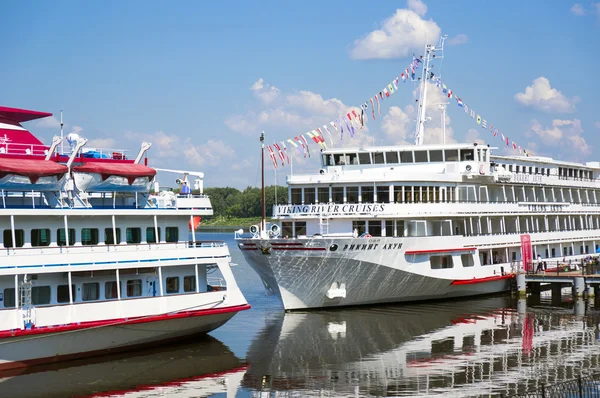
<point>113,177</point>
<point>31,175</point>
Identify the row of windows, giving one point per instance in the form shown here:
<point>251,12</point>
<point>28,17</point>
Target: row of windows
<point>89,236</point>
<point>395,157</point>
<point>90,291</point>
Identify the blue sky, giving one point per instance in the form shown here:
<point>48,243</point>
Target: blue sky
<point>201,80</point>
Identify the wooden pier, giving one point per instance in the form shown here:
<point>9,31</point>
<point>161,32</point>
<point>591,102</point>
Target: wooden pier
<point>585,282</point>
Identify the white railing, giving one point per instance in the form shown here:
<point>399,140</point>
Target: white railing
<point>103,248</point>
<point>23,149</point>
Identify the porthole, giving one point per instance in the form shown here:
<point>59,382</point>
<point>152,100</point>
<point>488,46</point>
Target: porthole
<point>333,247</point>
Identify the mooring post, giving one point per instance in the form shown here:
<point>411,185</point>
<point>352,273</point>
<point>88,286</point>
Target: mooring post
<point>521,285</point>
<point>578,286</point>
<point>591,291</point>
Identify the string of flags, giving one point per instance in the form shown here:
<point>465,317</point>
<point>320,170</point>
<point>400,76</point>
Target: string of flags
<point>357,117</point>
<point>479,119</point>
<point>354,120</point>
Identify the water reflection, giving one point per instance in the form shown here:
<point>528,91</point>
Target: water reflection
<point>486,347</point>
<point>200,369</point>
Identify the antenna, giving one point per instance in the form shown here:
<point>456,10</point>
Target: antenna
<point>62,147</point>
<point>429,55</point>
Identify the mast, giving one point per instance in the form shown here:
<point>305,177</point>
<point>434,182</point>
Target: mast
<point>262,188</point>
<point>421,117</point>
<point>62,147</point>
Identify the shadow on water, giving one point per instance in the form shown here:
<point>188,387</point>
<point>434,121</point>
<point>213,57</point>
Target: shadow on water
<point>201,367</point>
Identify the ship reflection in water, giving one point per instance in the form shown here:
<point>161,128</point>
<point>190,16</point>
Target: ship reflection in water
<point>199,369</point>
<point>488,347</point>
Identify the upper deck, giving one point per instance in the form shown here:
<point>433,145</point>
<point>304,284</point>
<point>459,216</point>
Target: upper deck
<point>444,163</point>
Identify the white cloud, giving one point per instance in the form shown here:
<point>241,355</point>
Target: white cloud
<point>473,136</point>
<point>577,9</point>
<point>541,96</point>
<point>265,92</point>
<point>417,6</point>
<point>566,134</point>
<point>48,122</point>
<point>400,35</point>
<point>597,7</point>
<point>458,39</point>
<point>396,124</point>
<point>295,114</point>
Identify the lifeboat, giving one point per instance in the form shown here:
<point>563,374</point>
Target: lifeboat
<point>113,177</point>
<point>31,175</point>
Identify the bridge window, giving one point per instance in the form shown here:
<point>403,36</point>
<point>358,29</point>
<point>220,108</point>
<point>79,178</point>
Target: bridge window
<point>352,158</point>
<point>435,156</point>
<point>61,238</point>
<point>19,237</point>
<point>364,158</point>
<point>375,228</point>
<point>378,158</point>
<point>9,297</point>
<point>337,194</point>
<point>391,157</point>
<point>383,194</point>
<point>406,157</point>
<point>466,154</point>
<point>40,237</point>
<point>451,155</point>
<point>420,156</point>
<point>89,236</point>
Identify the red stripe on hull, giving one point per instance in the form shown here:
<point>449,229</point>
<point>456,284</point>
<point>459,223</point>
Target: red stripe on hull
<point>249,248</point>
<point>300,248</point>
<point>462,249</point>
<point>481,280</point>
<point>123,321</point>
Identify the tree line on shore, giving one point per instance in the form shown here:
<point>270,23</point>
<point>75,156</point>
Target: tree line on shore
<point>232,203</point>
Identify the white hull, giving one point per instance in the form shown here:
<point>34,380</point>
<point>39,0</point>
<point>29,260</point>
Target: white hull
<point>93,182</point>
<point>26,350</point>
<point>305,273</point>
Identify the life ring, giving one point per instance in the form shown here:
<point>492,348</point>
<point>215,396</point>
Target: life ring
<point>366,235</point>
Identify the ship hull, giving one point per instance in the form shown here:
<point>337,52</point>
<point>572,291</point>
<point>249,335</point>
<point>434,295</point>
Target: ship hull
<point>312,276</point>
<point>28,349</point>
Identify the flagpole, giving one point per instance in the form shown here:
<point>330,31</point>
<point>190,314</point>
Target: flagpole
<point>262,189</point>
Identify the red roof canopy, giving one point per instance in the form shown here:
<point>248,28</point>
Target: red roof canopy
<point>131,171</point>
<point>21,115</point>
<point>32,168</point>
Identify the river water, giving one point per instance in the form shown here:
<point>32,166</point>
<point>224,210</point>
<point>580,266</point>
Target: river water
<point>467,348</point>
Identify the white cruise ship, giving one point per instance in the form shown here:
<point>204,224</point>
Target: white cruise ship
<point>91,261</point>
<point>417,222</point>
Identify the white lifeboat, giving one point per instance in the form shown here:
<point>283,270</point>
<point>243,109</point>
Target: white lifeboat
<point>31,174</point>
<point>113,176</point>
